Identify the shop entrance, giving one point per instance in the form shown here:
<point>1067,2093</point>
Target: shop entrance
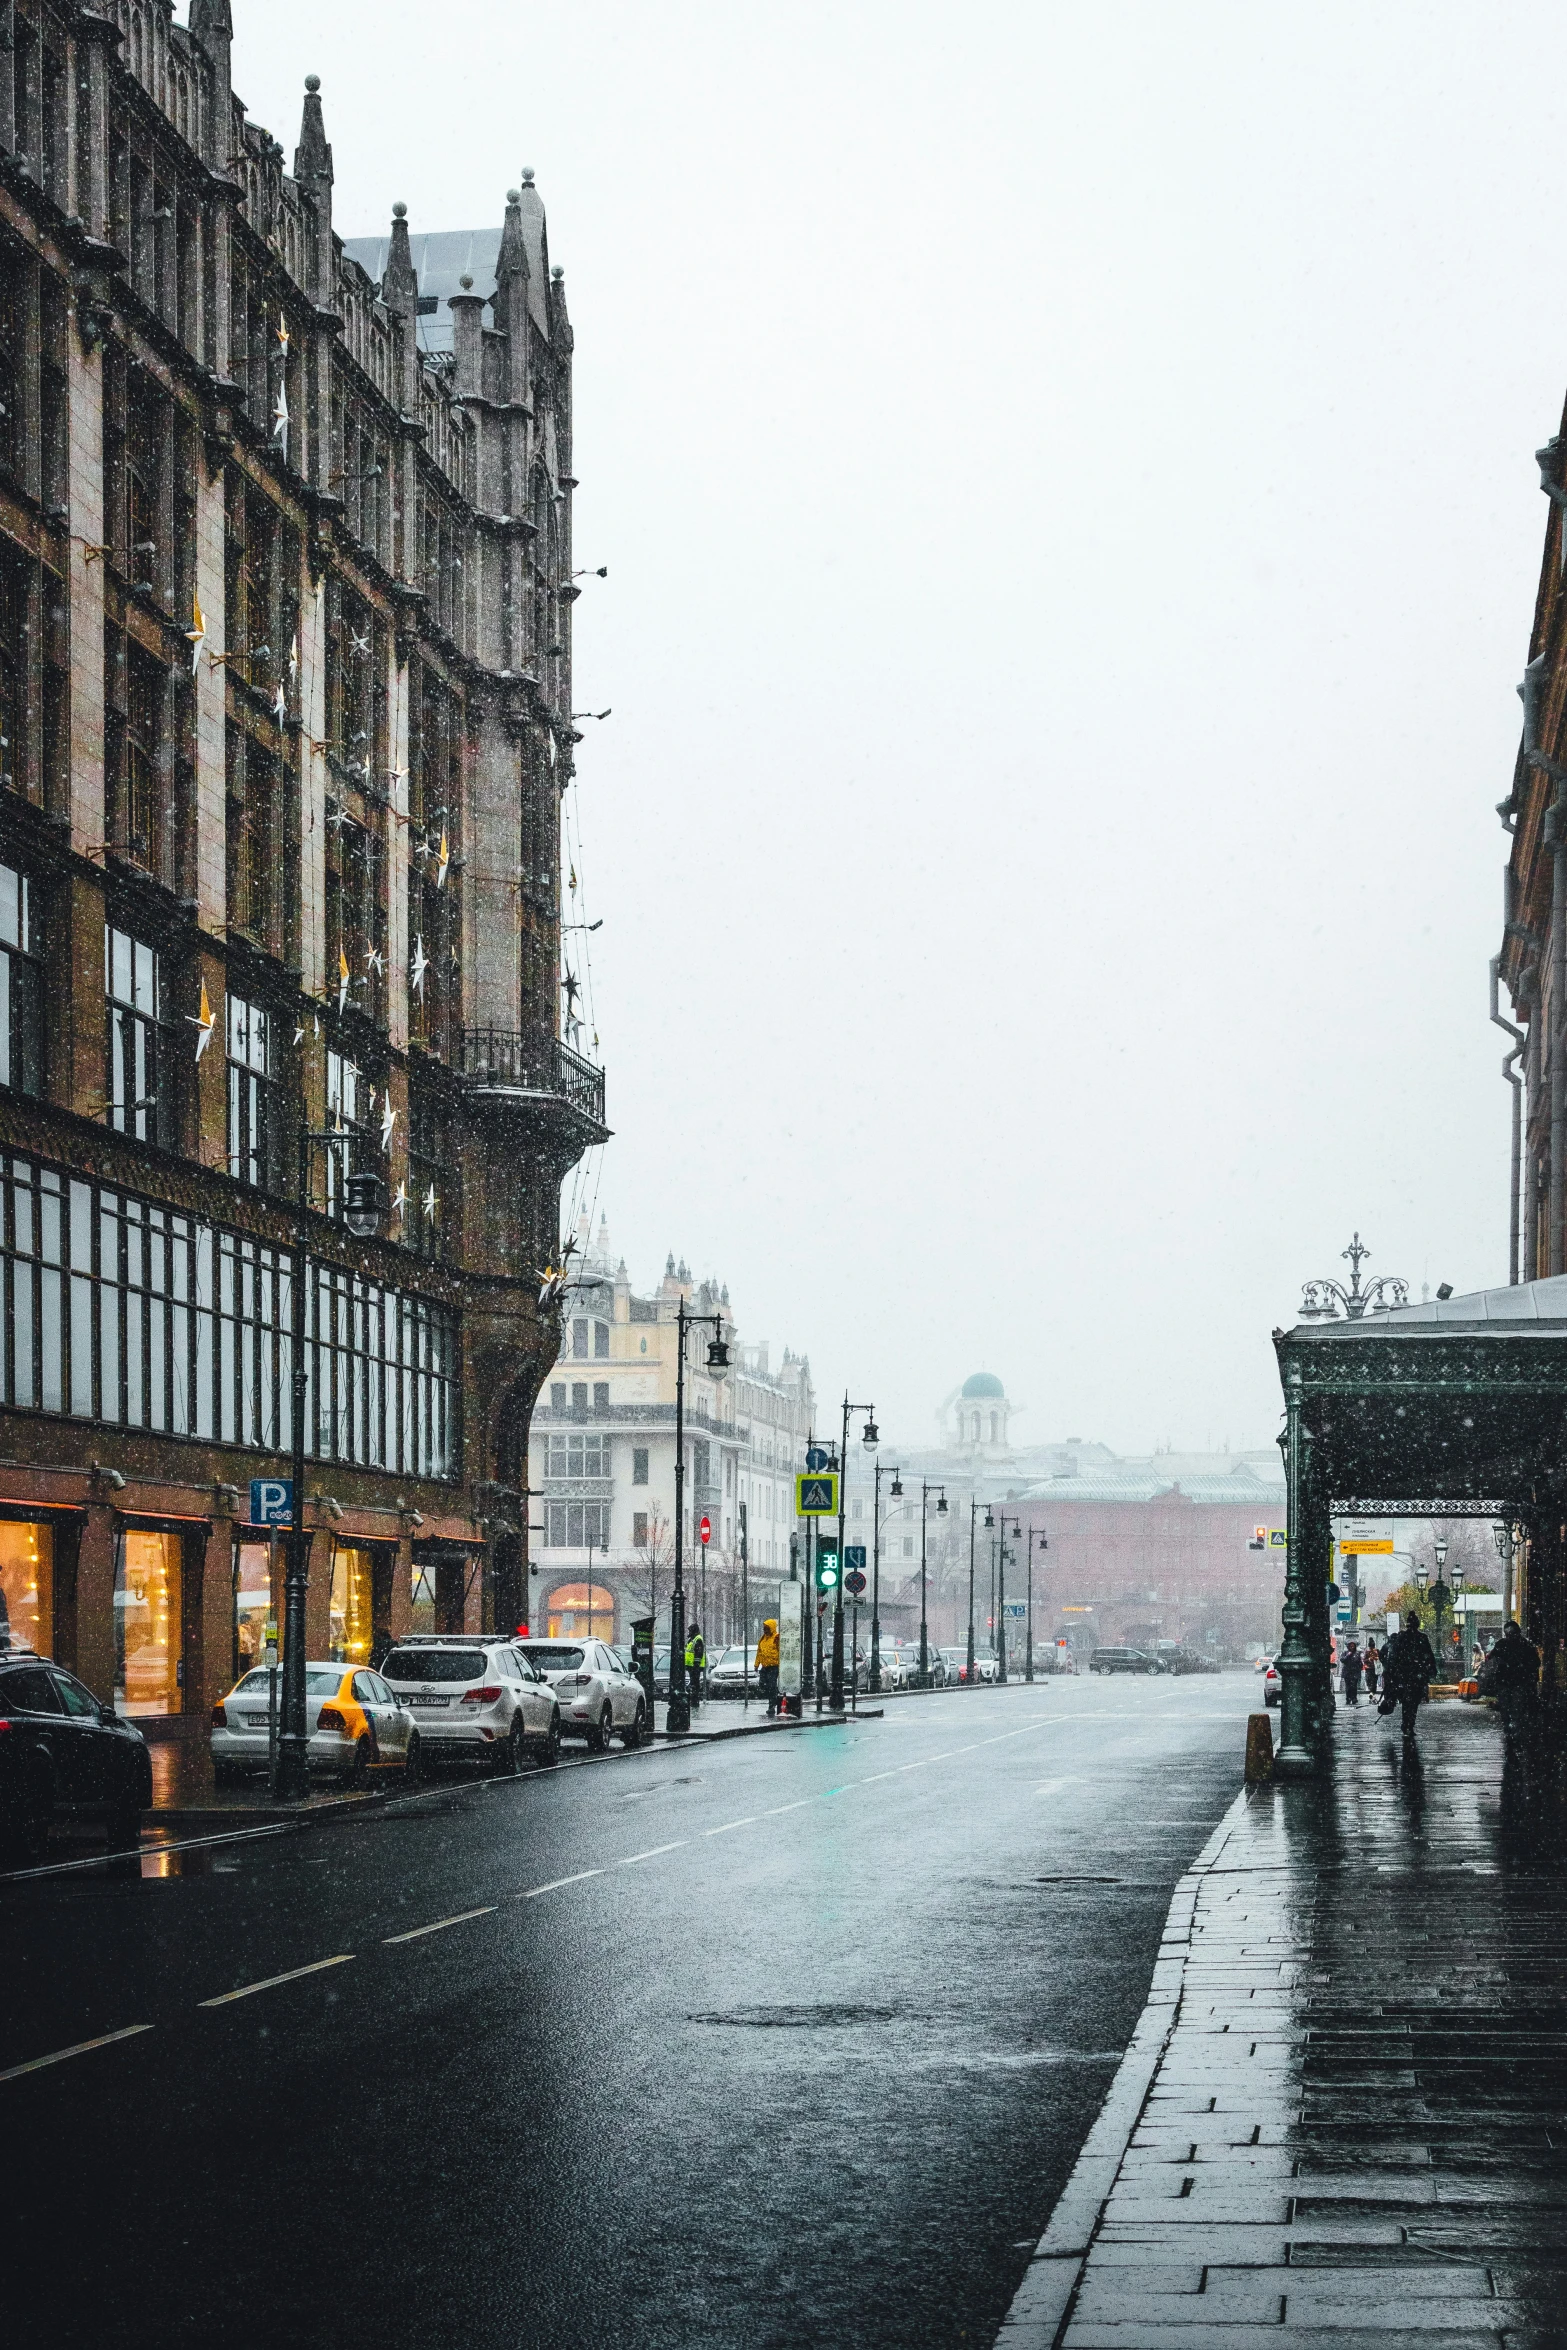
<point>27,1585</point>
<point>149,1592</point>
<point>583,1611</point>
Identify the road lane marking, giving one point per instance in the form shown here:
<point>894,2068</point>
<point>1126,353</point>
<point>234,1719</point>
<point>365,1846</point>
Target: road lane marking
<point>439,1927</point>
<point>248,1990</point>
<point>556,1883</point>
<point>728,1824</point>
<point>653,1852</point>
<point>1052,1786</point>
<point>782,1807</point>
<point>59,2055</point>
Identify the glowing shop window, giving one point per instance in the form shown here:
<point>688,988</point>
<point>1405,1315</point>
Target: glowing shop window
<point>581,1610</point>
<point>422,1614</point>
<point>148,1587</point>
<point>351,1630</point>
<point>252,1602</point>
<point>27,1585</point>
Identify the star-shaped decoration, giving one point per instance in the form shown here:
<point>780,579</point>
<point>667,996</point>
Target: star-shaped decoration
<point>400,1198</point>
<point>344,980</point>
<point>293,660</point>
<point>361,644</point>
<point>204,1020</point>
<point>376,961</point>
<point>430,1205</point>
<point>282,333</point>
<point>280,419</point>
<point>421,964</point>
<point>299,1033</point>
<point>388,1121</point>
<point>196,634</point>
<point>280,703</point>
<point>442,861</point>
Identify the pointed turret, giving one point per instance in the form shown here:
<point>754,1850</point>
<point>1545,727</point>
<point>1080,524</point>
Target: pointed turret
<point>313,171</point>
<point>399,279</point>
<point>212,32</point>
<point>510,299</point>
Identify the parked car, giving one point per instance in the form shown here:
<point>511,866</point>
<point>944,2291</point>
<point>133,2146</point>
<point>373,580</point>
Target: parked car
<point>986,1667</point>
<point>64,1753</point>
<point>1175,1657</point>
<point>473,1697</point>
<point>956,1660</point>
<point>661,1670</point>
<point>1124,1660</point>
<point>730,1673</point>
<point>596,1696</point>
<point>1272,1686</point>
<point>355,1724</point>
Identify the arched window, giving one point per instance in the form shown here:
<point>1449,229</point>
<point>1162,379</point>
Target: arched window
<point>995,1427</point>
<point>976,1427</point>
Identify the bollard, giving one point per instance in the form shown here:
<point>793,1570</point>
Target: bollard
<point>1259,1749</point>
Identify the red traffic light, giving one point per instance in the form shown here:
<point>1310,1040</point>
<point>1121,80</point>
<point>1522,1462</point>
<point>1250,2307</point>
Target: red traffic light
<point>706,1529</point>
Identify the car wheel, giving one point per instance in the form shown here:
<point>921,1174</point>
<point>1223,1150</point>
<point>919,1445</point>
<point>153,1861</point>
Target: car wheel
<point>599,1738</point>
<point>359,1766</point>
<point>413,1761</point>
<point>515,1747</point>
<point>638,1730</point>
<point>549,1752</point>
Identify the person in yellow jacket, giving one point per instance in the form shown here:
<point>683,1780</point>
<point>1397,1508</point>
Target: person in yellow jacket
<point>767,1663</point>
<point>696,1665</point>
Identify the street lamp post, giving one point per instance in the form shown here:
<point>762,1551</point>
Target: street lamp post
<point>896,1490</point>
<point>973,1513</point>
<point>926,1490</point>
<point>872,1439</point>
<point>1001,1587</point>
<point>364,1211</point>
<point>1044,1544</point>
<point>678,1717</point>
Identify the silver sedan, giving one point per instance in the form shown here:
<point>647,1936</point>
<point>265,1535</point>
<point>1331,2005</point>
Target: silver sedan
<point>355,1725</point>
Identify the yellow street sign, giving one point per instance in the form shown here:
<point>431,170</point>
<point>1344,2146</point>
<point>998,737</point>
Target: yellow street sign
<point>1365,1549</point>
<point>816,1494</point>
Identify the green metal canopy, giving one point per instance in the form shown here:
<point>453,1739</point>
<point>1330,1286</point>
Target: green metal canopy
<point>1457,1407</point>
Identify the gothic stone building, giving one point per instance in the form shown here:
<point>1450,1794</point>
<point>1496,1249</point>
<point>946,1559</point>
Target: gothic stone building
<point>285,662</point>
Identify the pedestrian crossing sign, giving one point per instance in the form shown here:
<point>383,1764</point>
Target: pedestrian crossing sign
<point>816,1494</point>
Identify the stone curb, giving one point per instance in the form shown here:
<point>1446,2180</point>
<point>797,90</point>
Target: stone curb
<point>1044,2299</point>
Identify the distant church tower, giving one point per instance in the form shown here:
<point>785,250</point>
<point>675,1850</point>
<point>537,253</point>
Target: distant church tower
<point>976,1418</point>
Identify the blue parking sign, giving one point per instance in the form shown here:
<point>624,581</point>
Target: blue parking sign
<point>271,1501</point>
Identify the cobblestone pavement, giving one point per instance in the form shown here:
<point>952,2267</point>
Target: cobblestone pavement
<point>1344,2116</point>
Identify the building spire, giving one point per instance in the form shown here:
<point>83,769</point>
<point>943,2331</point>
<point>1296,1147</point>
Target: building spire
<point>312,157</point>
<point>399,280</point>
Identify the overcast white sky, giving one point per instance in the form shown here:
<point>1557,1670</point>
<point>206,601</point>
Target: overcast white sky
<point>1066,479</point>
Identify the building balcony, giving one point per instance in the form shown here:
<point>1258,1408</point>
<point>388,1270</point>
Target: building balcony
<point>538,1075</point>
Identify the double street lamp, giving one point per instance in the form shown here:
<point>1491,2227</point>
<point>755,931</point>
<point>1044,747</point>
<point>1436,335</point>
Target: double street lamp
<point>926,1490</point>
<point>678,1717</point>
<point>872,1437</point>
<point>364,1213</point>
<point>1044,1544</point>
<point>896,1490</point>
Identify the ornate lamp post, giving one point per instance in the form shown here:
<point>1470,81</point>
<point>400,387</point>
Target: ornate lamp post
<point>678,1717</point>
<point>926,1490</point>
<point>364,1212</point>
<point>1001,1588</point>
<point>896,1490</point>
<point>974,1508</point>
<point>1044,1544</point>
<point>1326,1300</point>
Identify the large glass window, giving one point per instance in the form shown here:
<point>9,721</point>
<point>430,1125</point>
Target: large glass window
<point>148,1598</point>
<point>577,1525</point>
<point>26,1584</point>
<point>116,1310</point>
<point>253,1135</point>
<point>353,1579</point>
<point>252,1602</point>
<point>131,982</point>
<point>20,997</point>
<point>579,1456</point>
<point>588,1609</point>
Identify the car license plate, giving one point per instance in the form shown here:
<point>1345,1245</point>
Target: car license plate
<point>414,1698</point>
<point>256,1721</point>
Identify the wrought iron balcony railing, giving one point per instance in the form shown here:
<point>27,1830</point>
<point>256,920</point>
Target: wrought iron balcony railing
<point>502,1060</point>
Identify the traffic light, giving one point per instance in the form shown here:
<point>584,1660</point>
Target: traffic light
<point>827,1563</point>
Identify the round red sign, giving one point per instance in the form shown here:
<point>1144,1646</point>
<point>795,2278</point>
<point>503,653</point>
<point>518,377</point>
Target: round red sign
<point>706,1529</point>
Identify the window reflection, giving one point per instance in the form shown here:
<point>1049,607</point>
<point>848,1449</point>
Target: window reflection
<point>148,1590</point>
<point>351,1630</point>
<point>26,1585</point>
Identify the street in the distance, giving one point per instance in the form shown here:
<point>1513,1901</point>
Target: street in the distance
<point>782,2039</point>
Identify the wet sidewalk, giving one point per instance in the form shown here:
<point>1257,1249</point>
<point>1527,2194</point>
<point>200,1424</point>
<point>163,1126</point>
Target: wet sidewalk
<point>1343,2118</point>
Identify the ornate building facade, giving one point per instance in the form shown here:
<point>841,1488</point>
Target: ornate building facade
<point>285,724</point>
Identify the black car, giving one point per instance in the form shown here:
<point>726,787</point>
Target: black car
<point>62,1754</point>
<point>1124,1660</point>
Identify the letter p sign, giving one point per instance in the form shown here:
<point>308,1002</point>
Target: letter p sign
<point>271,1501</point>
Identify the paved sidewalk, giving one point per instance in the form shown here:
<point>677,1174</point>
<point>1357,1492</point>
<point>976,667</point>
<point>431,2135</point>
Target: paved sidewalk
<point>1343,2118</point>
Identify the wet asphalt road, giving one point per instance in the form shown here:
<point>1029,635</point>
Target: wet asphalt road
<point>791,2040</point>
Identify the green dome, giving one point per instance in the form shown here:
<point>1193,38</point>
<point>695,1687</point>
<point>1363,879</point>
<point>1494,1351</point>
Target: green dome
<point>983,1383</point>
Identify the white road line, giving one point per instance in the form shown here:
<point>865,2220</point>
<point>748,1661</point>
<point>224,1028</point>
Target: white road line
<point>247,1990</point>
<point>1052,1786</point>
<point>59,2055</point>
<point>556,1883</point>
<point>652,1853</point>
<point>415,1932</point>
<point>728,1824</point>
<point>782,1807</point>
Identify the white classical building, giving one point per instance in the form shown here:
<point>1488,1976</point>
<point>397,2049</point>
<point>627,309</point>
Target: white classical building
<point>602,1459</point>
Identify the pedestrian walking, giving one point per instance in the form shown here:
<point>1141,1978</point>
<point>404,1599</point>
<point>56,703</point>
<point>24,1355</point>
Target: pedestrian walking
<point>1373,1666</point>
<point>1409,1664</point>
<point>696,1664</point>
<point>767,1663</point>
<point>1516,1679</point>
<point>1349,1674</point>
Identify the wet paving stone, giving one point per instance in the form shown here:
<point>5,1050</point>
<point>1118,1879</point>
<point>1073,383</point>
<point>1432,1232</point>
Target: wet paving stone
<point>1357,2130</point>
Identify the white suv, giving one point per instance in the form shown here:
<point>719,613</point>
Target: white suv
<point>470,1696</point>
<point>598,1697</point>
